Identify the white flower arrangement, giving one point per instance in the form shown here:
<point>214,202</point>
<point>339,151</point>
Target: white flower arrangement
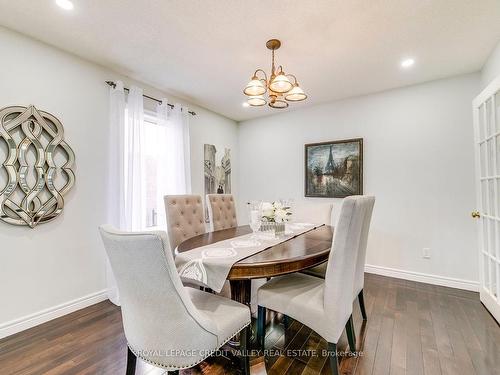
<point>275,212</point>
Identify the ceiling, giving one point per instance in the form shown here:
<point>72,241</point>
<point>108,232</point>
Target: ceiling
<point>205,51</point>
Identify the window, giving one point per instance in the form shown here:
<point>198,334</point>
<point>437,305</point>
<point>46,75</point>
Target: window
<point>155,175</point>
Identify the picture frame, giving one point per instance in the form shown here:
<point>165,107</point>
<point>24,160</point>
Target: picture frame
<point>333,169</point>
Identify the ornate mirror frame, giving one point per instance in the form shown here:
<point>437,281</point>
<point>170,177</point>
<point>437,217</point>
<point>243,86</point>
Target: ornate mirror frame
<point>31,195</point>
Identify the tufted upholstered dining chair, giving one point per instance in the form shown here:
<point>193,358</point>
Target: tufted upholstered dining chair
<point>221,211</point>
<point>184,218</point>
<point>324,305</point>
<point>359,278</point>
<point>166,324</point>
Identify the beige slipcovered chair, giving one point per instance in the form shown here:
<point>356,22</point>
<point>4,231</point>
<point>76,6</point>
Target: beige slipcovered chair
<point>184,218</point>
<point>166,324</point>
<point>221,211</point>
<point>312,212</point>
<point>359,278</point>
<point>318,213</point>
<point>324,305</point>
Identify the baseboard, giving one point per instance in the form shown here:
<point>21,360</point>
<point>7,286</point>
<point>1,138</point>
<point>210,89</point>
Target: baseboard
<point>491,304</point>
<point>424,278</point>
<point>21,324</point>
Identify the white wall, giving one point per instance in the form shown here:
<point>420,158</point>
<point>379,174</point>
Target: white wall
<point>221,132</point>
<point>491,68</point>
<point>62,262</point>
<point>418,162</point>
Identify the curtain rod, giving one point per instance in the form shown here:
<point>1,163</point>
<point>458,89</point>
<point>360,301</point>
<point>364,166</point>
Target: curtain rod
<point>113,85</point>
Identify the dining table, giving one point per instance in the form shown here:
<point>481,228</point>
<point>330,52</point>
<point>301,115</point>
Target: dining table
<point>295,254</point>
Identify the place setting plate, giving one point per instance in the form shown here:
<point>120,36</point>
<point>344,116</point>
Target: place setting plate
<point>245,243</point>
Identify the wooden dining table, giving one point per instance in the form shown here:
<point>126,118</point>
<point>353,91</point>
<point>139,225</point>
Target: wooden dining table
<point>295,254</point>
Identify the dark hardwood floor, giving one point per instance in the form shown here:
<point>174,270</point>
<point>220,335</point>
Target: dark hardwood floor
<point>412,328</point>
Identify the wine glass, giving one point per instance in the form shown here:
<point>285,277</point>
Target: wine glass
<point>289,204</point>
<point>255,216</point>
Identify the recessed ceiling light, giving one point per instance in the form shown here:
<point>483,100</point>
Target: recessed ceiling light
<point>245,104</point>
<point>65,4</point>
<point>406,63</point>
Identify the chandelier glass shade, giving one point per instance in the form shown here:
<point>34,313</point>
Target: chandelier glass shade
<point>277,102</point>
<point>256,100</point>
<point>255,87</point>
<point>280,84</point>
<point>281,88</point>
<point>296,94</point>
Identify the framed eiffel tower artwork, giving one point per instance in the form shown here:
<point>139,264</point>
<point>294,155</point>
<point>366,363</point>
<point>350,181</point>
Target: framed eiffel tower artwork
<point>334,169</point>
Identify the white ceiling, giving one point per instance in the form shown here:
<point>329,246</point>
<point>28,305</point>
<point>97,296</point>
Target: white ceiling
<point>206,50</point>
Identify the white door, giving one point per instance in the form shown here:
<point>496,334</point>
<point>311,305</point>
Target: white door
<point>486,107</point>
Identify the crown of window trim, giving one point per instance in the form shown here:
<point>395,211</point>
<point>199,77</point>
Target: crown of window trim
<point>113,84</point>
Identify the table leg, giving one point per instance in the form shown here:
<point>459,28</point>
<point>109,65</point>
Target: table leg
<point>241,291</point>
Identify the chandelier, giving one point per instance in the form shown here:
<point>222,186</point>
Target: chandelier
<point>281,88</point>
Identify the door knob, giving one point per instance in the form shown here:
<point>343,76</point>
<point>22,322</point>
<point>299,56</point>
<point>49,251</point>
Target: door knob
<point>476,214</point>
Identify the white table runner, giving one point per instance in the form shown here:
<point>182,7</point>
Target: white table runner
<point>209,265</point>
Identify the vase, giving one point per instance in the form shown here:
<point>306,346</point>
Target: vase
<point>277,228</point>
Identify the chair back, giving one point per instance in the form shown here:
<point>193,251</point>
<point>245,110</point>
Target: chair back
<point>339,278</point>
<point>312,212</point>
<point>221,211</point>
<point>158,315</point>
<point>184,218</point>
<point>359,277</point>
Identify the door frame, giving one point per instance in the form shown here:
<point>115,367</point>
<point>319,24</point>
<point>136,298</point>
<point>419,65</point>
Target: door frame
<point>491,302</point>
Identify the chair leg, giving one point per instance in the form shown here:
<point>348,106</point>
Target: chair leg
<point>361,300</point>
<point>131,362</point>
<point>351,336</point>
<point>244,345</point>
<point>332,355</point>
<point>261,326</point>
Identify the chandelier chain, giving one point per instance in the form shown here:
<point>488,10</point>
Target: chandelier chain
<point>272,64</point>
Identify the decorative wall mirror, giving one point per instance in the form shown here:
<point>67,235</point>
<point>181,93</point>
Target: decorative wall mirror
<point>36,166</point>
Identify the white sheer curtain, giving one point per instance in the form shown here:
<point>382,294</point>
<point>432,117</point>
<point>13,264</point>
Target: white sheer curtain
<point>125,169</point>
<point>134,176</point>
<point>116,172</point>
<point>148,159</point>
<point>115,168</point>
<point>171,152</point>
